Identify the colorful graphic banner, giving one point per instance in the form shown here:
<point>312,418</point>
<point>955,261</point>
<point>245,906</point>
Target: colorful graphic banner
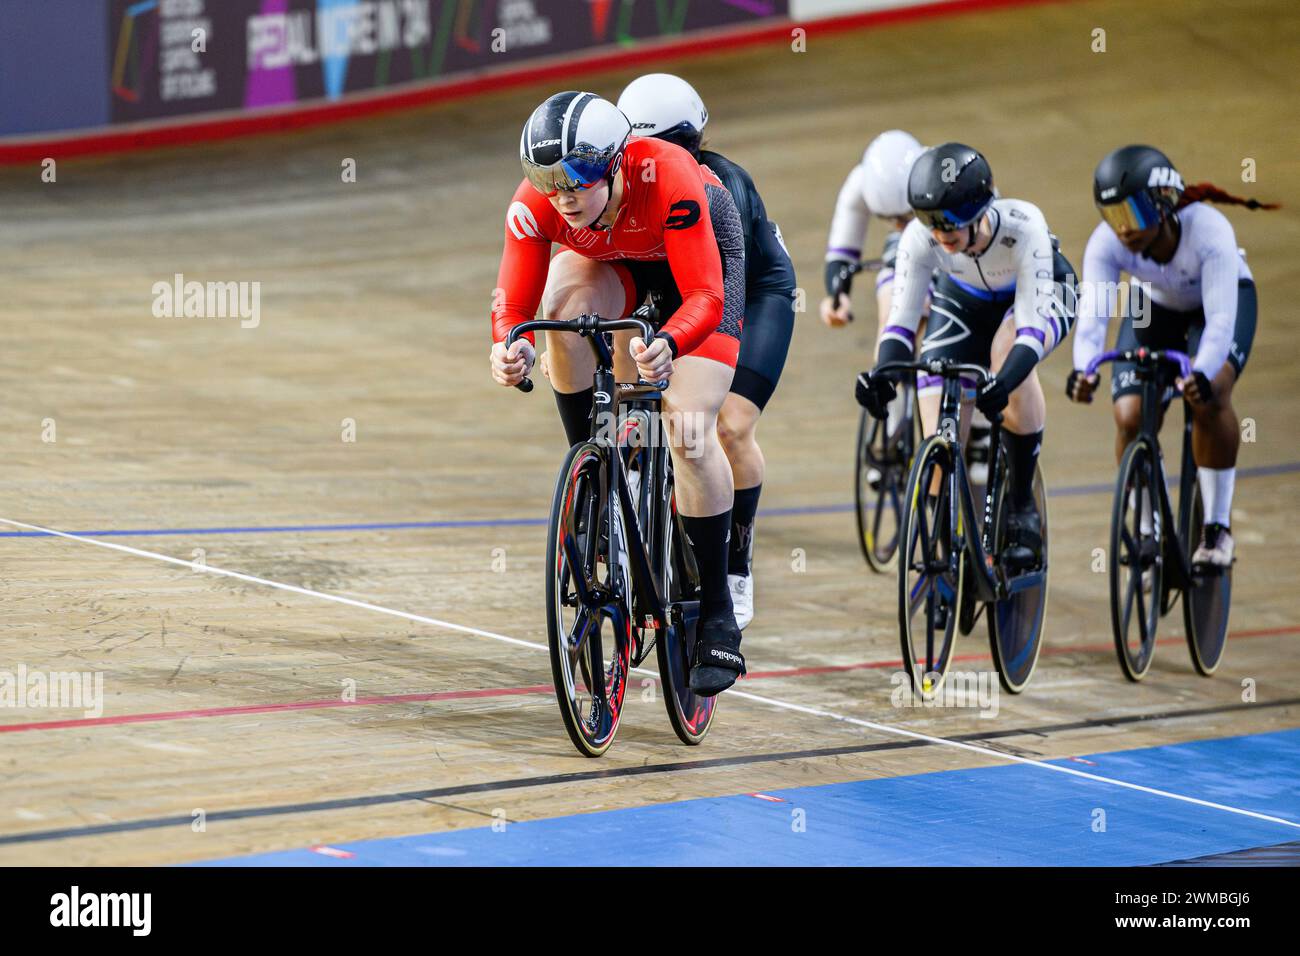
<point>172,58</point>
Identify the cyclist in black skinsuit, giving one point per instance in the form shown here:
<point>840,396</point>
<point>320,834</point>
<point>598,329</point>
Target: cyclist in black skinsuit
<point>668,108</point>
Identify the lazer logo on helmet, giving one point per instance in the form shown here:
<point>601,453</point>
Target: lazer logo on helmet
<point>1109,193</point>
<point>1164,176</point>
<point>643,125</point>
<point>546,142</point>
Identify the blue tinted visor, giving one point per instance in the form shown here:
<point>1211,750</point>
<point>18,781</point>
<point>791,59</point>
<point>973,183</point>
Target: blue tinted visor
<point>581,169</point>
<point>1134,214</point>
<point>950,220</point>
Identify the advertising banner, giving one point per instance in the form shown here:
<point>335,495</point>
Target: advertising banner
<point>172,58</point>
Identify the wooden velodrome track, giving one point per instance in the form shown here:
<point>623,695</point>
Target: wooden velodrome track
<point>224,694</point>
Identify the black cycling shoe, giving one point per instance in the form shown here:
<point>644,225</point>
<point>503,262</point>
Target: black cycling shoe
<point>718,662</point>
<point>1023,549</point>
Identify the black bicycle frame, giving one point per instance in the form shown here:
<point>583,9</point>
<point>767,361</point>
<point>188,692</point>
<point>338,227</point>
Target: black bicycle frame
<point>1147,369</point>
<point>649,609</point>
<point>991,580</point>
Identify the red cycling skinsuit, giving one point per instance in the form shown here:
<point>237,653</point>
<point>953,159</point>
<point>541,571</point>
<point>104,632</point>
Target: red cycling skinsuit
<point>664,216</point>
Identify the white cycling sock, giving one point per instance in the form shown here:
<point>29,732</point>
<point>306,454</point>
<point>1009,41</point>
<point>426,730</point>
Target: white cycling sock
<point>894,411</point>
<point>1145,524</point>
<point>1217,485</point>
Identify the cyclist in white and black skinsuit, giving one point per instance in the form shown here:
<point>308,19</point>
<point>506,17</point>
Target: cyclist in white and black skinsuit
<point>1202,301</point>
<point>1004,299</point>
<point>877,188</point>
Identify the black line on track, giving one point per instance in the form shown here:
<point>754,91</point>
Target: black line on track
<point>347,803</point>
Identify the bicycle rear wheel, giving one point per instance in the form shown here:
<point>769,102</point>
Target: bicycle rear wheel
<point>879,505</point>
<point>1136,560</point>
<point>590,642</point>
<point>1207,600</point>
<point>690,714</point>
<point>1016,622</point>
<point>930,575</point>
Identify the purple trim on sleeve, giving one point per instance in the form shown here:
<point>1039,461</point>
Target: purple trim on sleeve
<point>884,278</point>
<point>1036,333</point>
<point>928,381</point>
<point>900,330</point>
<point>855,253</point>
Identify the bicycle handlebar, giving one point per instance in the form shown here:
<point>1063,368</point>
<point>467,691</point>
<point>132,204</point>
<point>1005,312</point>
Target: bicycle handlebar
<point>941,367</point>
<point>588,325</point>
<point>1141,356</point>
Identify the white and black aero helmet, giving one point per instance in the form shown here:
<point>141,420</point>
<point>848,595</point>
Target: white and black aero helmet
<point>666,107</point>
<point>572,141</point>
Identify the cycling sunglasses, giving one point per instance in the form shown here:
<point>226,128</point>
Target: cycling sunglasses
<point>950,220</point>
<point>581,169</point>
<point>1133,214</point>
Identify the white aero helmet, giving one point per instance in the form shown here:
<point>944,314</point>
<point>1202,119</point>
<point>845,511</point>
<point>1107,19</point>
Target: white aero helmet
<point>885,166</point>
<point>666,107</point>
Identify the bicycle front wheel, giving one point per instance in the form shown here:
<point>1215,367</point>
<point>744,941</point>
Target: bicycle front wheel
<point>1207,600</point>
<point>1136,560</point>
<point>930,572</point>
<point>590,640</point>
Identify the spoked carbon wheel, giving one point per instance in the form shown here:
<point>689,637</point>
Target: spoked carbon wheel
<point>1136,561</point>
<point>1016,622</point>
<point>690,714</point>
<point>1207,601</point>
<point>880,484</point>
<point>590,641</point>
<point>930,575</point>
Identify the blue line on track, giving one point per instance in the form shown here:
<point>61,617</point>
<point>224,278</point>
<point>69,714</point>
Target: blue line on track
<point>1259,471</point>
<point>1013,815</point>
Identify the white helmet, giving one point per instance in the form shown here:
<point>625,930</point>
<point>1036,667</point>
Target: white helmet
<point>885,166</point>
<point>667,107</point>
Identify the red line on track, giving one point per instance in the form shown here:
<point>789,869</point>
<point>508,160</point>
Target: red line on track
<point>534,689</point>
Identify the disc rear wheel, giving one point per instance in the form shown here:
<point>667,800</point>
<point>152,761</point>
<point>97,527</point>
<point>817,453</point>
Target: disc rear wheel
<point>1016,621</point>
<point>1207,601</point>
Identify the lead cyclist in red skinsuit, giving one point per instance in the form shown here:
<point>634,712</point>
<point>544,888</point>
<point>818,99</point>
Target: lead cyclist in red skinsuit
<point>633,215</point>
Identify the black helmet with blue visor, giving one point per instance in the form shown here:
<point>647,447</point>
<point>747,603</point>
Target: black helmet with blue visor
<point>1135,187</point>
<point>950,187</point>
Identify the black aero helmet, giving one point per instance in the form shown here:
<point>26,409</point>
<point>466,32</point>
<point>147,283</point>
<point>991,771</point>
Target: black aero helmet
<point>950,186</point>
<point>1135,186</point>
<point>572,141</point>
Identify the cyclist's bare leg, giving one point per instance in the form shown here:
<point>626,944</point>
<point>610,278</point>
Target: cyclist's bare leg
<point>1127,410</point>
<point>1216,434</point>
<point>705,493</point>
<point>690,408</point>
<point>1216,438</point>
<point>737,423</point>
<point>577,285</point>
<point>928,402</point>
<point>1022,429</point>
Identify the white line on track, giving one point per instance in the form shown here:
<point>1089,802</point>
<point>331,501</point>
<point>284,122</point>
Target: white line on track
<point>337,599</point>
<point>733,694</point>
